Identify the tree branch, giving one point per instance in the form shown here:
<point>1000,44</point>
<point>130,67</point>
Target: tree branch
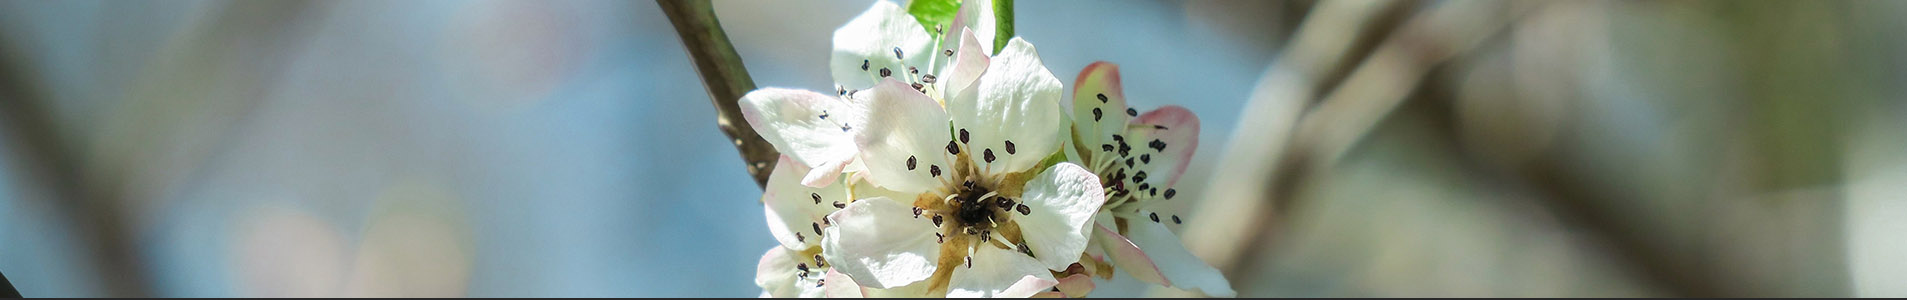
<point>724,76</point>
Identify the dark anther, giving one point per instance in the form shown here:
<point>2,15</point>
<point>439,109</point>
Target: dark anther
<point>897,52</point>
<point>987,154</point>
<point>1157,145</point>
<point>1132,112</point>
<point>1140,176</point>
<point>1102,98</point>
<point>1155,217</point>
<point>1024,210</point>
<point>1145,158</point>
<point>1171,192</point>
<point>1009,147</point>
<point>948,52</point>
<point>1175,220</point>
<point>913,70</point>
<point>1107,147</point>
<point>910,163</point>
<point>916,212</point>
<point>963,135</point>
<point>1096,114</point>
<point>953,148</point>
<point>817,197</point>
<point>933,170</point>
<point>838,204</point>
<point>885,72</point>
<point>1003,202</point>
<point>929,78</point>
<point>817,228</point>
<point>937,220</point>
<point>864,65</point>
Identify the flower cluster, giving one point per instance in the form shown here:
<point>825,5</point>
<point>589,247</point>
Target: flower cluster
<point>936,169</point>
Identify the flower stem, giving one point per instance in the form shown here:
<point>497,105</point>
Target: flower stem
<point>724,76</point>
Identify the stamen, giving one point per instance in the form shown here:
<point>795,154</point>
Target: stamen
<point>1145,158</point>
<point>929,78</point>
<point>1157,145</point>
<point>988,155</point>
<point>933,170</point>
<point>910,164</point>
<point>1132,112</point>
<point>897,53</point>
<point>917,211</point>
<point>963,135</point>
<point>948,52</point>
<point>817,228</point>
<point>817,197</point>
<point>864,65</point>
<point>1009,147</point>
<point>1102,98</point>
<point>1175,219</point>
<point>1170,192</point>
<point>1024,210</point>
<point>885,72</point>
<point>953,148</point>
<point>1096,114</point>
<point>937,220</point>
<point>838,204</point>
<point>1155,217</point>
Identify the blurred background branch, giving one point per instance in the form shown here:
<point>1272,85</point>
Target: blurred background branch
<point>724,76</point>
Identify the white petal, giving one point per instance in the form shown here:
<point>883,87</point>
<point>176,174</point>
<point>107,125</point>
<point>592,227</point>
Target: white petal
<point>776,273</point>
<point>902,123</point>
<point>969,62</point>
<point>1063,200</point>
<point>815,129</point>
<point>915,290</point>
<point>839,285</point>
<point>1178,138</point>
<point>978,16</point>
<point>792,211</point>
<point>1097,120</point>
<point>1018,102</point>
<point>1186,272</point>
<point>1000,273</point>
<point>870,39</point>
<point>1129,257</point>
<point>880,243</point>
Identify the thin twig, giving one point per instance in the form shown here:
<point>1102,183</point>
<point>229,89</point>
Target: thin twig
<point>1261,183</point>
<point>724,76</point>
<point>95,218</point>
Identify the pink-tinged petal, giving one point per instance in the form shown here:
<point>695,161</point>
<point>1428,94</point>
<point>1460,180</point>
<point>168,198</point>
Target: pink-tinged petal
<point>813,128</point>
<point>775,274</point>
<point>905,138</point>
<point>1015,113</point>
<point>880,243</point>
<point>794,211</point>
<point>871,39</point>
<point>1185,271</point>
<point>1076,286</point>
<point>1130,258</point>
<point>824,174</point>
<point>1176,130</point>
<point>1095,119</point>
<point>969,63</point>
<point>1063,200</point>
<point>839,285</point>
<point>978,16</point>
<point>1002,273</point>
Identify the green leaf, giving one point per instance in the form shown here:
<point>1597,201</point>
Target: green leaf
<point>934,13</point>
<point>1002,24</point>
